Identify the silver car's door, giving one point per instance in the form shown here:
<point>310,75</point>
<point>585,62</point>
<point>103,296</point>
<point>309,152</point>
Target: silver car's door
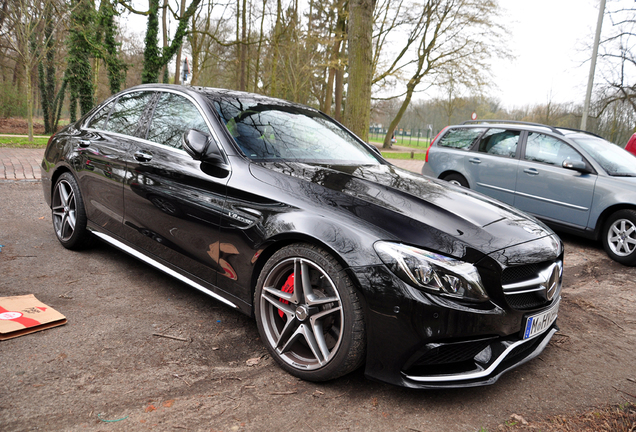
<point>493,168</point>
<point>549,191</point>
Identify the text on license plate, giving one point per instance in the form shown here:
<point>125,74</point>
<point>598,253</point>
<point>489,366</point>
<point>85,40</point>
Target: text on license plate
<point>536,324</point>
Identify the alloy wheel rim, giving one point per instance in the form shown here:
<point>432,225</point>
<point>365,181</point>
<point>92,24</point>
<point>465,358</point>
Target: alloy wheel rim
<point>64,210</point>
<point>621,237</point>
<point>305,326</point>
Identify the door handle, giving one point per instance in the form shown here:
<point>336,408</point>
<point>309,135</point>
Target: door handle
<point>142,157</point>
<point>531,171</point>
<point>474,160</point>
<point>84,143</point>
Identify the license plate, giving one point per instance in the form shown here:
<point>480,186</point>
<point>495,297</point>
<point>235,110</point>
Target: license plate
<point>537,324</point>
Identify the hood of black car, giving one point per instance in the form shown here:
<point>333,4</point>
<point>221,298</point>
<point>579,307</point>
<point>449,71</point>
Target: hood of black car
<point>408,207</point>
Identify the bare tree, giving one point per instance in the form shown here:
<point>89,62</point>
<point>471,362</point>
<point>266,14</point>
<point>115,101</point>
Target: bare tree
<point>618,61</point>
<point>27,39</point>
<point>442,36</point>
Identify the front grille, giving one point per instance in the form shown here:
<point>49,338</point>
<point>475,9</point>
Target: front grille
<point>521,273</point>
<point>526,301</point>
<point>523,286</point>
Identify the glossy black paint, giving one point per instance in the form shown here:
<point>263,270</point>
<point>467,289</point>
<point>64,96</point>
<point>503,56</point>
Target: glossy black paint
<point>216,222</point>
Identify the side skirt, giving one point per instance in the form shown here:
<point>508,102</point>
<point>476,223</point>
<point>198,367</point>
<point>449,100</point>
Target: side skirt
<point>164,268</point>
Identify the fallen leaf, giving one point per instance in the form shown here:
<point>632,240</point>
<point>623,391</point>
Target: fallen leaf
<point>168,403</point>
<point>253,361</point>
<point>518,418</point>
<point>150,408</point>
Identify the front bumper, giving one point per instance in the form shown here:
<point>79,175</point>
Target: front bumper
<point>421,340</point>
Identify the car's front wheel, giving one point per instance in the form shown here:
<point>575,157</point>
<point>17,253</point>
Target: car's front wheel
<point>619,237</point>
<point>309,315</point>
<point>68,214</point>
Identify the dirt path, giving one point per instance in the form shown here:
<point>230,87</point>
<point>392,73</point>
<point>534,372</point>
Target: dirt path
<point>113,361</point>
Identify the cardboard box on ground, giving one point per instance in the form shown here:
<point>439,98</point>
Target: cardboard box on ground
<point>20,315</point>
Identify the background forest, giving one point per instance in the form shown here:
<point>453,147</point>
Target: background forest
<point>375,65</point>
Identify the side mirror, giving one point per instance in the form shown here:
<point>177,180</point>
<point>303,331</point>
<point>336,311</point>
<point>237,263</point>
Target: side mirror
<point>201,146</point>
<point>576,165</point>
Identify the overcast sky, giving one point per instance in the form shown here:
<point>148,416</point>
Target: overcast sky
<point>552,41</point>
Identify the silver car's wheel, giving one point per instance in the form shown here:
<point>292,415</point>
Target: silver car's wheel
<point>620,237</point>
<point>67,212</point>
<point>308,314</point>
<point>456,179</point>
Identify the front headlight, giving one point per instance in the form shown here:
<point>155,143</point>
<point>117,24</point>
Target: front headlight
<point>433,272</point>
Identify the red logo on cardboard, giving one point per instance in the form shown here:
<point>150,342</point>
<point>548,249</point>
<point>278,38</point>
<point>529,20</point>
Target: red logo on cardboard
<point>10,315</point>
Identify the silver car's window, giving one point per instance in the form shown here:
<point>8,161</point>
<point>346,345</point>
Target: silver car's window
<point>546,149</point>
<point>460,138</point>
<point>614,160</point>
<point>173,116</point>
<point>500,142</point>
<point>100,119</point>
<point>128,110</point>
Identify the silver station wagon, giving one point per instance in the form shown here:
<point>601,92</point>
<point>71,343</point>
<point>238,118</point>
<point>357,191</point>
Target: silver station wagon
<point>574,181</point>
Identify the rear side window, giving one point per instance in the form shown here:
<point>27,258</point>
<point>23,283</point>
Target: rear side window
<point>500,142</point>
<point>128,110</point>
<point>100,119</point>
<point>460,138</point>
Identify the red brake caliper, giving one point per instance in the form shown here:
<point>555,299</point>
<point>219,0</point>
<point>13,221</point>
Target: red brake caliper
<point>288,287</point>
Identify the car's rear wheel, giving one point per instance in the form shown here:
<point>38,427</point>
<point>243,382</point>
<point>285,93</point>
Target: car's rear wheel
<point>308,314</point>
<point>68,214</point>
<point>456,179</point>
<point>619,237</point>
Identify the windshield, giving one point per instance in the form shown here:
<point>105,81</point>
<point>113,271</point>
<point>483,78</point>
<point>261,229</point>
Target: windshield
<point>267,131</point>
<point>614,160</point>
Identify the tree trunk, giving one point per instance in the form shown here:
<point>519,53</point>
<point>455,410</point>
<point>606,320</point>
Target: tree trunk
<point>177,70</point>
<point>339,94</point>
<point>258,51</point>
<point>164,23</point>
<point>277,30</point>
<point>29,95</point>
<point>410,87</point>
<point>243,52</point>
<point>335,56</point>
<point>358,108</point>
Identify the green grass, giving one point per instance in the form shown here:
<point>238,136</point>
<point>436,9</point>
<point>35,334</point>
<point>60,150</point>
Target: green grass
<point>421,144</point>
<point>21,142</point>
<point>403,155</point>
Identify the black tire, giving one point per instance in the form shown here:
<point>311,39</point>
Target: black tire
<point>456,179</point>
<point>316,330</point>
<point>68,214</point>
<point>619,237</point>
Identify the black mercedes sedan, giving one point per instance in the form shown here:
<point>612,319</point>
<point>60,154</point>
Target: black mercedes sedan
<point>275,209</point>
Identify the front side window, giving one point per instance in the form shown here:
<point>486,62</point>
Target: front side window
<point>614,160</point>
<point>460,138</point>
<point>173,116</point>
<point>128,110</point>
<point>546,149</point>
<point>500,142</point>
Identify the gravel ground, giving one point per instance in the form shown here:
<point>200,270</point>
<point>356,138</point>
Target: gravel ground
<point>142,351</point>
